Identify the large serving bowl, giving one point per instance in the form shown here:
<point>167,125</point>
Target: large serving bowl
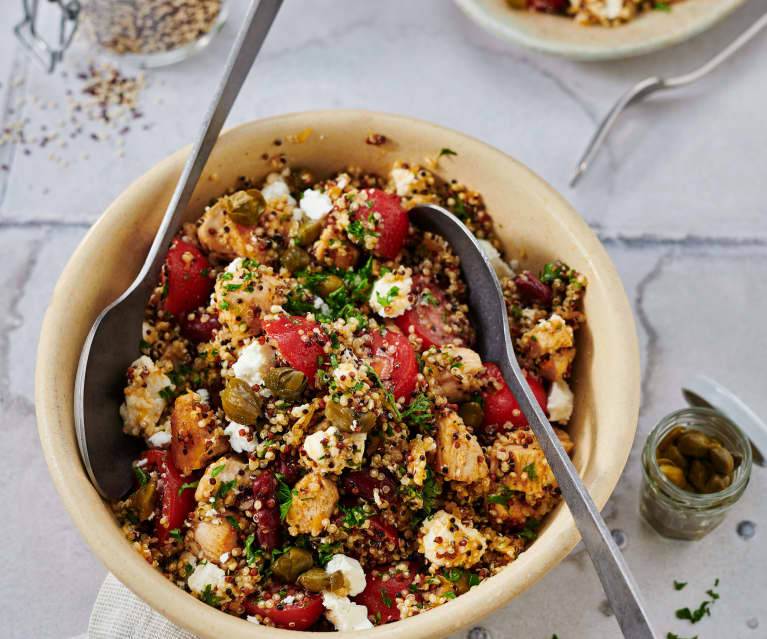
<point>536,226</point>
<point>560,36</point>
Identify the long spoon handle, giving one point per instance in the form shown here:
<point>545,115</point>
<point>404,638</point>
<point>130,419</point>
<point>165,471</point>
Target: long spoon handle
<point>255,27</point>
<point>617,581</point>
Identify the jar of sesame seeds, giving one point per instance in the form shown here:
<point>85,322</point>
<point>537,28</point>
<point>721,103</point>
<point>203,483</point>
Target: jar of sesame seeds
<point>152,33</point>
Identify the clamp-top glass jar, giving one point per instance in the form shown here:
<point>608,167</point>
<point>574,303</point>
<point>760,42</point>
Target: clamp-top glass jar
<point>152,32</point>
<point>682,514</point>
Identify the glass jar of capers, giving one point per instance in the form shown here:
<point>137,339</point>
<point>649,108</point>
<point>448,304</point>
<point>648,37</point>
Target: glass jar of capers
<point>696,465</point>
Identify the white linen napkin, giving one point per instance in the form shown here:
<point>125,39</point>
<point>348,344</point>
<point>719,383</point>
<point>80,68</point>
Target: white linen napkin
<point>119,614</point>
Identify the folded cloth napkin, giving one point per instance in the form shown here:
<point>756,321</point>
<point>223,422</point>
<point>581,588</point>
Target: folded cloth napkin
<point>119,614</point>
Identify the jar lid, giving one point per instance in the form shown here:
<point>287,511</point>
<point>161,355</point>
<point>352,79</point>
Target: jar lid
<point>704,392</point>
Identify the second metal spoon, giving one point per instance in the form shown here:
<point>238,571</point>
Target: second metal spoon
<point>494,344</point>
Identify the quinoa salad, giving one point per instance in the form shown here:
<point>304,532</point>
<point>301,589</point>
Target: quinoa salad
<point>606,13</point>
<point>324,448</point>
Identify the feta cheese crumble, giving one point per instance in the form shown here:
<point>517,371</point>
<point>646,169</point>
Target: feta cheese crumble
<point>315,204</point>
<point>445,541</point>
<point>354,575</point>
<point>344,614</point>
<point>613,8</point>
<point>330,451</point>
<point>390,294</point>
<point>277,190</point>
<point>234,265</point>
<point>144,404</point>
<point>499,266</point>
<point>403,178</point>
<point>560,402</point>
<point>206,574</point>
<point>254,362</point>
<point>239,443</point>
<point>160,439</point>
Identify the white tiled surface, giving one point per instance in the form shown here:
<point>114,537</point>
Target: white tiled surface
<point>678,199</point>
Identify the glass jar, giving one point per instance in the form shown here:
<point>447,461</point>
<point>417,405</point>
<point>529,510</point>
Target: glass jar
<point>152,33</point>
<point>678,513</point>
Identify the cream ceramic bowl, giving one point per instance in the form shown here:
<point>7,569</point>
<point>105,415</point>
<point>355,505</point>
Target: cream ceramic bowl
<point>558,35</point>
<point>533,221</point>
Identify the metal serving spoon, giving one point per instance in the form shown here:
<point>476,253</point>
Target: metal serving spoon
<point>494,344</point>
<point>111,345</point>
<point>645,87</point>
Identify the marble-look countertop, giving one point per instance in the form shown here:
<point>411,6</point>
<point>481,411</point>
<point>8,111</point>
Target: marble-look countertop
<point>678,198</point>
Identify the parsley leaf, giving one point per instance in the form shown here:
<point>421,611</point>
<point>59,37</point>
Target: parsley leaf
<point>191,484</point>
<point>678,585</point>
<point>217,470</point>
<point>671,635</point>
<point>209,598</point>
<point>140,475</point>
<point>354,516</point>
<point>502,497</point>
<point>530,531</point>
<point>387,600</point>
<point>233,522</point>
<point>418,413</point>
<point>284,497</point>
<point>251,554</point>
<point>661,6</point>
<point>446,151</point>
<point>175,533</point>
<point>530,470</point>
<point>694,616</point>
<point>325,552</point>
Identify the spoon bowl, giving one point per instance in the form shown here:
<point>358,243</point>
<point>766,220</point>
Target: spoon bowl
<point>494,345</point>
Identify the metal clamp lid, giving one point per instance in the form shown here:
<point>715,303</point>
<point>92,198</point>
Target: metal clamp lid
<point>705,392</point>
<point>28,33</point>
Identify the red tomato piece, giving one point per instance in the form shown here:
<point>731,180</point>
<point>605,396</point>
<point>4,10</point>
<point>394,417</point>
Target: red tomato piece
<point>176,503</point>
<point>394,361</point>
<point>381,531</point>
<point>300,341</point>
<point>428,315</point>
<point>501,407</point>
<point>196,330</point>
<point>378,596</point>
<point>297,615</point>
<point>185,282</point>
<point>393,225</point>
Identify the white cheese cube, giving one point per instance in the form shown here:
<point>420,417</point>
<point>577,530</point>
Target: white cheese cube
<point>315,204</point>
<point>390,294</point>
<point>442,537</point>
<point>354,575</point>
<point>560,402</point>
<point>344,614</point>
<point>254,362</point>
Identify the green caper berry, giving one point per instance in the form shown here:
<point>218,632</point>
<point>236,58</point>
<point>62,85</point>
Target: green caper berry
<point>240,402</point>
<point>294,258</point>
<point>309,231</point>
<point>472,414</point>
<point>247,206</point>
<point>329,285</point>
<point>291,564</point>
<point>285,382</point>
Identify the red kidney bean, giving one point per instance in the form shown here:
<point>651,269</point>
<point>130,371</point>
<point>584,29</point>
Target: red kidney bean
<point>288,466</point>
<point>361,484</point>
<point>267,517</point>
<point>531,289</point>
<point>196,330</point>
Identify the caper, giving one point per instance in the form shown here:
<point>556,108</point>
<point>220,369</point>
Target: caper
<point>348,420</point>
<point>144,500</point>
<point>291,564</point>
<point>717,482</point>
<point>309,231</point>
<point>300,179</point>
<point>240,402</point>
<point>285,382</point>
<point>317,580</point>
<point>698,474</point>
<point>247,206</point>
<point>462,585</point>
<point>674,474</point>
<point>721,460</point>
<point>671,436</point>
<point>694,444</point>
<point>672,453</point>
<point>294,258</point>
<point>472,414</point>
<point>329,285</point>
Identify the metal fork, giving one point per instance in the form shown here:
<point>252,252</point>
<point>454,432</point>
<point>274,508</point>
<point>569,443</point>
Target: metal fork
<point>650,85</point>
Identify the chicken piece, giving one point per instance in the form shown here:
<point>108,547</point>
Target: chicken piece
<point>555,366</point>
<point>197,437</point>
<point>314,501</point>
<point>453,371</point>
<point>215,475</point>
<point>416,460</point>
<point>226,239</point>
<point>446,541</point>
<point>459,455</point>
<point>547,337</point>
<point>216,538</point>
<point>333,247</point>
<point>245,294</point>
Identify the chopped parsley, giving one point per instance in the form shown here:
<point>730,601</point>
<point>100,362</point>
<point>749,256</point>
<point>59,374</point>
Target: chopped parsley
<point>418,413</point>
<point>225,488</point>
<point>285,497</point>
<point>251,554</point>
<point>530,531</point>
<point>449,594</point>
<point>473,579</point>
<point>215,472</point>
<point>678,585</point>
<point>446,151</point>
<point>661,6</point>
<point>694,616</point>
<point>356,230</point>
<point>354,516</point>
<point>387,600</point>
<point>167,394</point>
<point>209,598</point>
<point>530,470</point>
<point>140,476</point>
<point>191,484</point>
<point>325,552</point>
<point>671,635</point>
<point>386,300</point>
<point>233,522</point>
<point>175,533</point>
<point>454,574</point>
<point>502,497</point>
<point>428,297</point>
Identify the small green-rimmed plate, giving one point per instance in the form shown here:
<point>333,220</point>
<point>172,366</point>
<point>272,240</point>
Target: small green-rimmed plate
<point>558,35</point>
